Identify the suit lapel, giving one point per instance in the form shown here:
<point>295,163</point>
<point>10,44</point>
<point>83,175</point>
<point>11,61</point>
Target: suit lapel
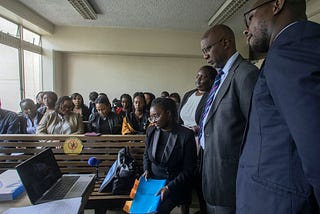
<point>224,87</point>
<point>155,140</point>
<point>169,147</point>
<point>247,123</point>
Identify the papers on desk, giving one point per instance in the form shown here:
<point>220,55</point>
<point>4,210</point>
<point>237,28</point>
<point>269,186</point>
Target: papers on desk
<point>64,206</point>
<point>10,185</point>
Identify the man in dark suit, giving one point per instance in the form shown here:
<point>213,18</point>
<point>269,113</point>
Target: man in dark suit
<point>279,166</point>
<point>223,121</point>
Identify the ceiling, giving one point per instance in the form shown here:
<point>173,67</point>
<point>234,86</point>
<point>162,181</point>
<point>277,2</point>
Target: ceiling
<point>181,15</point>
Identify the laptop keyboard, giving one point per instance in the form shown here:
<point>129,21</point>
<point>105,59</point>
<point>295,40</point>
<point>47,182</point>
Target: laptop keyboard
<point>61,188</point>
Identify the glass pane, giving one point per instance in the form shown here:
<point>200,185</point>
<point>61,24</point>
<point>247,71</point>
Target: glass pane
<point>8,27</point>
<point>31,37</point>
<point>9,78</point>
<point>32,67</point>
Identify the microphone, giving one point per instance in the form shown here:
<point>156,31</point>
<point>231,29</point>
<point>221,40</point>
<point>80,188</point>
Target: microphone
<point>93,161</point>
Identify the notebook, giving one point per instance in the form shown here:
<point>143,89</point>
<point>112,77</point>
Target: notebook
<point>44,182</point>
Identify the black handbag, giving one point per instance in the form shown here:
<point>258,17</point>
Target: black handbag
<point>122,174</point>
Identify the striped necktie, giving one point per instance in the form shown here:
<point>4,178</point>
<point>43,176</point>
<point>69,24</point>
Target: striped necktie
<point>205,112</point>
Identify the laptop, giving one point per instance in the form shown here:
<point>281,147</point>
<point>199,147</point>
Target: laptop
<point>44,182</point>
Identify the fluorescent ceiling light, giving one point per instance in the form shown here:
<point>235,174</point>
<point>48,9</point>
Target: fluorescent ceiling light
<point>228,8</point>
<point>84,8</point>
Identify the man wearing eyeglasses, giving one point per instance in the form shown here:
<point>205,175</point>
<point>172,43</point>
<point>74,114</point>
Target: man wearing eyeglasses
<point>223,121</point>
<point>279,166</point>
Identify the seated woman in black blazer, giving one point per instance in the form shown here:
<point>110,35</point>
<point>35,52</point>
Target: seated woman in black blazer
<point>104,121</point>
<point>170,154</point>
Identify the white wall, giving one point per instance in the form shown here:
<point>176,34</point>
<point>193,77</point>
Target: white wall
<point>117,61</point>
<point>313,10</point>
<point>115,75</point>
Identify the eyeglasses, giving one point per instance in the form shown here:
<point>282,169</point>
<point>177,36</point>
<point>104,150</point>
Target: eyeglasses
<point>248,15</point>
<point>66,107</point>
<point>154,118</point>
<point>208,48</point>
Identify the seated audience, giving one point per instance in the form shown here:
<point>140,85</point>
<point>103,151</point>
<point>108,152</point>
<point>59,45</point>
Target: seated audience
<point>126,105</point>
<point>92,98</point>
<point>49,101</point>
<point>80,107</point>
<point>39,99</point>
<point>104,121</point>
<point>62,120</point>
<point>164,94</point>
<point>9,122</point>
<point>176,98</point>
<point>170,154</point>
<point>30,116</point>
<point>102,94</point>
<point>136,122</point>
<point>148,96</point>
<point>116,106</point>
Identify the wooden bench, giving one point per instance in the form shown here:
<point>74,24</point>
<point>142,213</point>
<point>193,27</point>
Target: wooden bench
<point>16,148</point>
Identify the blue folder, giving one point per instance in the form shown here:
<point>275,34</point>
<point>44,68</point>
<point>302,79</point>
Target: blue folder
<point>108,180</point>
<point>145,200</point>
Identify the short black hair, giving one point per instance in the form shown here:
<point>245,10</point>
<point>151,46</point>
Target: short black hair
<point>164,94</point>
<point>166,104</point>
<point>211,71</point>
<point>27,100</point>
<point>175,95</point>
<point>150,94</point>
<point>93,95</point>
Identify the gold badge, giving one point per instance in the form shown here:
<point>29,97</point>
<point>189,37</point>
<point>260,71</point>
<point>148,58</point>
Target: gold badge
<point>72,146</point>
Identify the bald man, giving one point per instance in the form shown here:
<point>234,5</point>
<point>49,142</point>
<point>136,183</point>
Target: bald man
<point>223,122</point>
<point>279,166</point>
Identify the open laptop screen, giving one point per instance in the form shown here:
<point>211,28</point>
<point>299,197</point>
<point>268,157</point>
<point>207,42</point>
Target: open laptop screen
<point>39,173</point>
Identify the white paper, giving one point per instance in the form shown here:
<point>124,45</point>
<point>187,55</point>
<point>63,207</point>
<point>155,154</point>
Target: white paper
<point>64,206</point>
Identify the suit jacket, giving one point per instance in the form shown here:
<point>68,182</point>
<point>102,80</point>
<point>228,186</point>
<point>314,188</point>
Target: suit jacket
<point>223,133</point>
<point>200,106</point>
<point>279,167</point>
<point>113,120</point>
<point>50,119</point>
<point>178,161</point>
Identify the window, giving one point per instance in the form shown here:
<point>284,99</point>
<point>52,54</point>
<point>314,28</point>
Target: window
<point>32,74</point>
<point>9,78</point>
<point>9,27</point>
<point>20,71</point>
<point>31,37</point>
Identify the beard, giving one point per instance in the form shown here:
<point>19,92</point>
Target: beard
<point>260,40</point>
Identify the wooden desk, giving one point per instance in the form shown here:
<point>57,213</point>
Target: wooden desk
<point>104,147</point>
